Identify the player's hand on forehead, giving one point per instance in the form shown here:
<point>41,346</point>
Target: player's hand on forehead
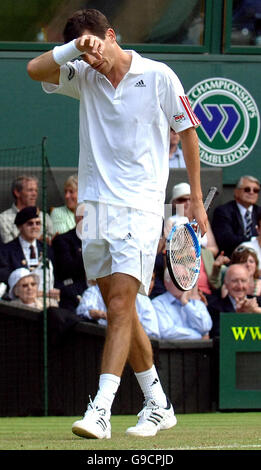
<point>91,45</point>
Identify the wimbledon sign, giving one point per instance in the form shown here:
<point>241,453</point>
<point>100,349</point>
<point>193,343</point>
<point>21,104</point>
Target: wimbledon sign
<point>230,121</point>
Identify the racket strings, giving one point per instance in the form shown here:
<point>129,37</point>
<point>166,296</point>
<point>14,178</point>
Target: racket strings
<point>183,258</point>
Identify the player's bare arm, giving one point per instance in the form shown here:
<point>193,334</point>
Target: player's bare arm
<point>190,148</point>
<point>46,68</point>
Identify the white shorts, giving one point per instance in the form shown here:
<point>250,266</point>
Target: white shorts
<point>119,239</point>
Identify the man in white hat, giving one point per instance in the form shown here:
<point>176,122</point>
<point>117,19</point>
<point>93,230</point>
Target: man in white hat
<point>180,200</point>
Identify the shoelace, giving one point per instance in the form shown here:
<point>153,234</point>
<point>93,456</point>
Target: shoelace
<point>91,409</point>
<point>94,408</point>
<point>150,413</point>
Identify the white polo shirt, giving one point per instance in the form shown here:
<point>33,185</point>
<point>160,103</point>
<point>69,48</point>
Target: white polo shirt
<point>124,132</point>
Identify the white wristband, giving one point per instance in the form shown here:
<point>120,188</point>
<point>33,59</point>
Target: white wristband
<point>66,52</point>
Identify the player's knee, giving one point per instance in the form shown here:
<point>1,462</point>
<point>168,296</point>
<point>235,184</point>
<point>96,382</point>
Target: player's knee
<point>120,310</point>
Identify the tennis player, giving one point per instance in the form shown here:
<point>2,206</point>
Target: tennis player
<point>127,105</point>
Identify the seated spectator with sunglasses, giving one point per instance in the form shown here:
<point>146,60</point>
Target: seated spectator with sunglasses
<point>235,221</point>
<point>26,250</point>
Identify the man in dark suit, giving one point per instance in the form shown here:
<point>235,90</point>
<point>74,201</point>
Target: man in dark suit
<point>26,251</point>
<point>236,281</point>
<point>69,269</point>
<point>4,270</point>
<point>235,222</point>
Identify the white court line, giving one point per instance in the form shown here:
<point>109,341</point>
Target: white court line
<point>230,446</point>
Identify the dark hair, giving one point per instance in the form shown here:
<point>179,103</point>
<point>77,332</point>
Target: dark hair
<point>90,19</point>
<point>240,255</point>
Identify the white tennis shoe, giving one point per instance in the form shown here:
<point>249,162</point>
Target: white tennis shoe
<point>153,418</point>
<point>94,425</point>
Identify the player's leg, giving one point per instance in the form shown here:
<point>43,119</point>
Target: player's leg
<point>158,413</point>
<point>142,362</point>
<point>134,341</point>
<point>119,291</point>
<point>136,255</point>
<point>140,354</point>
<point>120,303</point>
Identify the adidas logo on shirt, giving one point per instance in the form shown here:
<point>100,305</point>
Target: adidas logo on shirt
<point>128,236</point>
<point>140,83</point>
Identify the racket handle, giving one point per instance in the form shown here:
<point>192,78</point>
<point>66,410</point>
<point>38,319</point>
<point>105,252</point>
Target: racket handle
<point>213,191</point>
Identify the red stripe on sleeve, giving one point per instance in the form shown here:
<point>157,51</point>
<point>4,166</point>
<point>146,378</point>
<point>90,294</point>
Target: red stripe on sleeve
<point>192,116</point>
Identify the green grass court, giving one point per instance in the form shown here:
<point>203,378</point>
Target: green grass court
<point>210,431</point>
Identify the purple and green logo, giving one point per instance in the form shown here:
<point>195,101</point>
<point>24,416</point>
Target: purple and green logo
<point>230,121</point>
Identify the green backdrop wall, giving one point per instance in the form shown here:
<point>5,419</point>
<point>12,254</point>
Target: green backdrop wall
<point>27,113</point>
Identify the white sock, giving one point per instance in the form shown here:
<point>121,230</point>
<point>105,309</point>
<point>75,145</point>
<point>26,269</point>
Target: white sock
<point>151,387</point>
<point>108,386</point>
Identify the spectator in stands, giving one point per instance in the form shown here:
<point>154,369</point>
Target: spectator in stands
<point>212,271</point>
<point>235,222</point>
<point>180,201</point>
<point>248,257</point>
<point>181,315</point>
<point>4,270</point>
<point>26,250</point>
<point>255,242</point>
<point>63,218</point>
<point>25,193</point>
<point>23,289</point>
<point>176,158</point>
<point>70,274</point>
<point>92,307</point>
<point>237,300</point>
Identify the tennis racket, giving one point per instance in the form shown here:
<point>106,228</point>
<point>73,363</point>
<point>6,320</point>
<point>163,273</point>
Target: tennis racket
<point>183,250</point>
